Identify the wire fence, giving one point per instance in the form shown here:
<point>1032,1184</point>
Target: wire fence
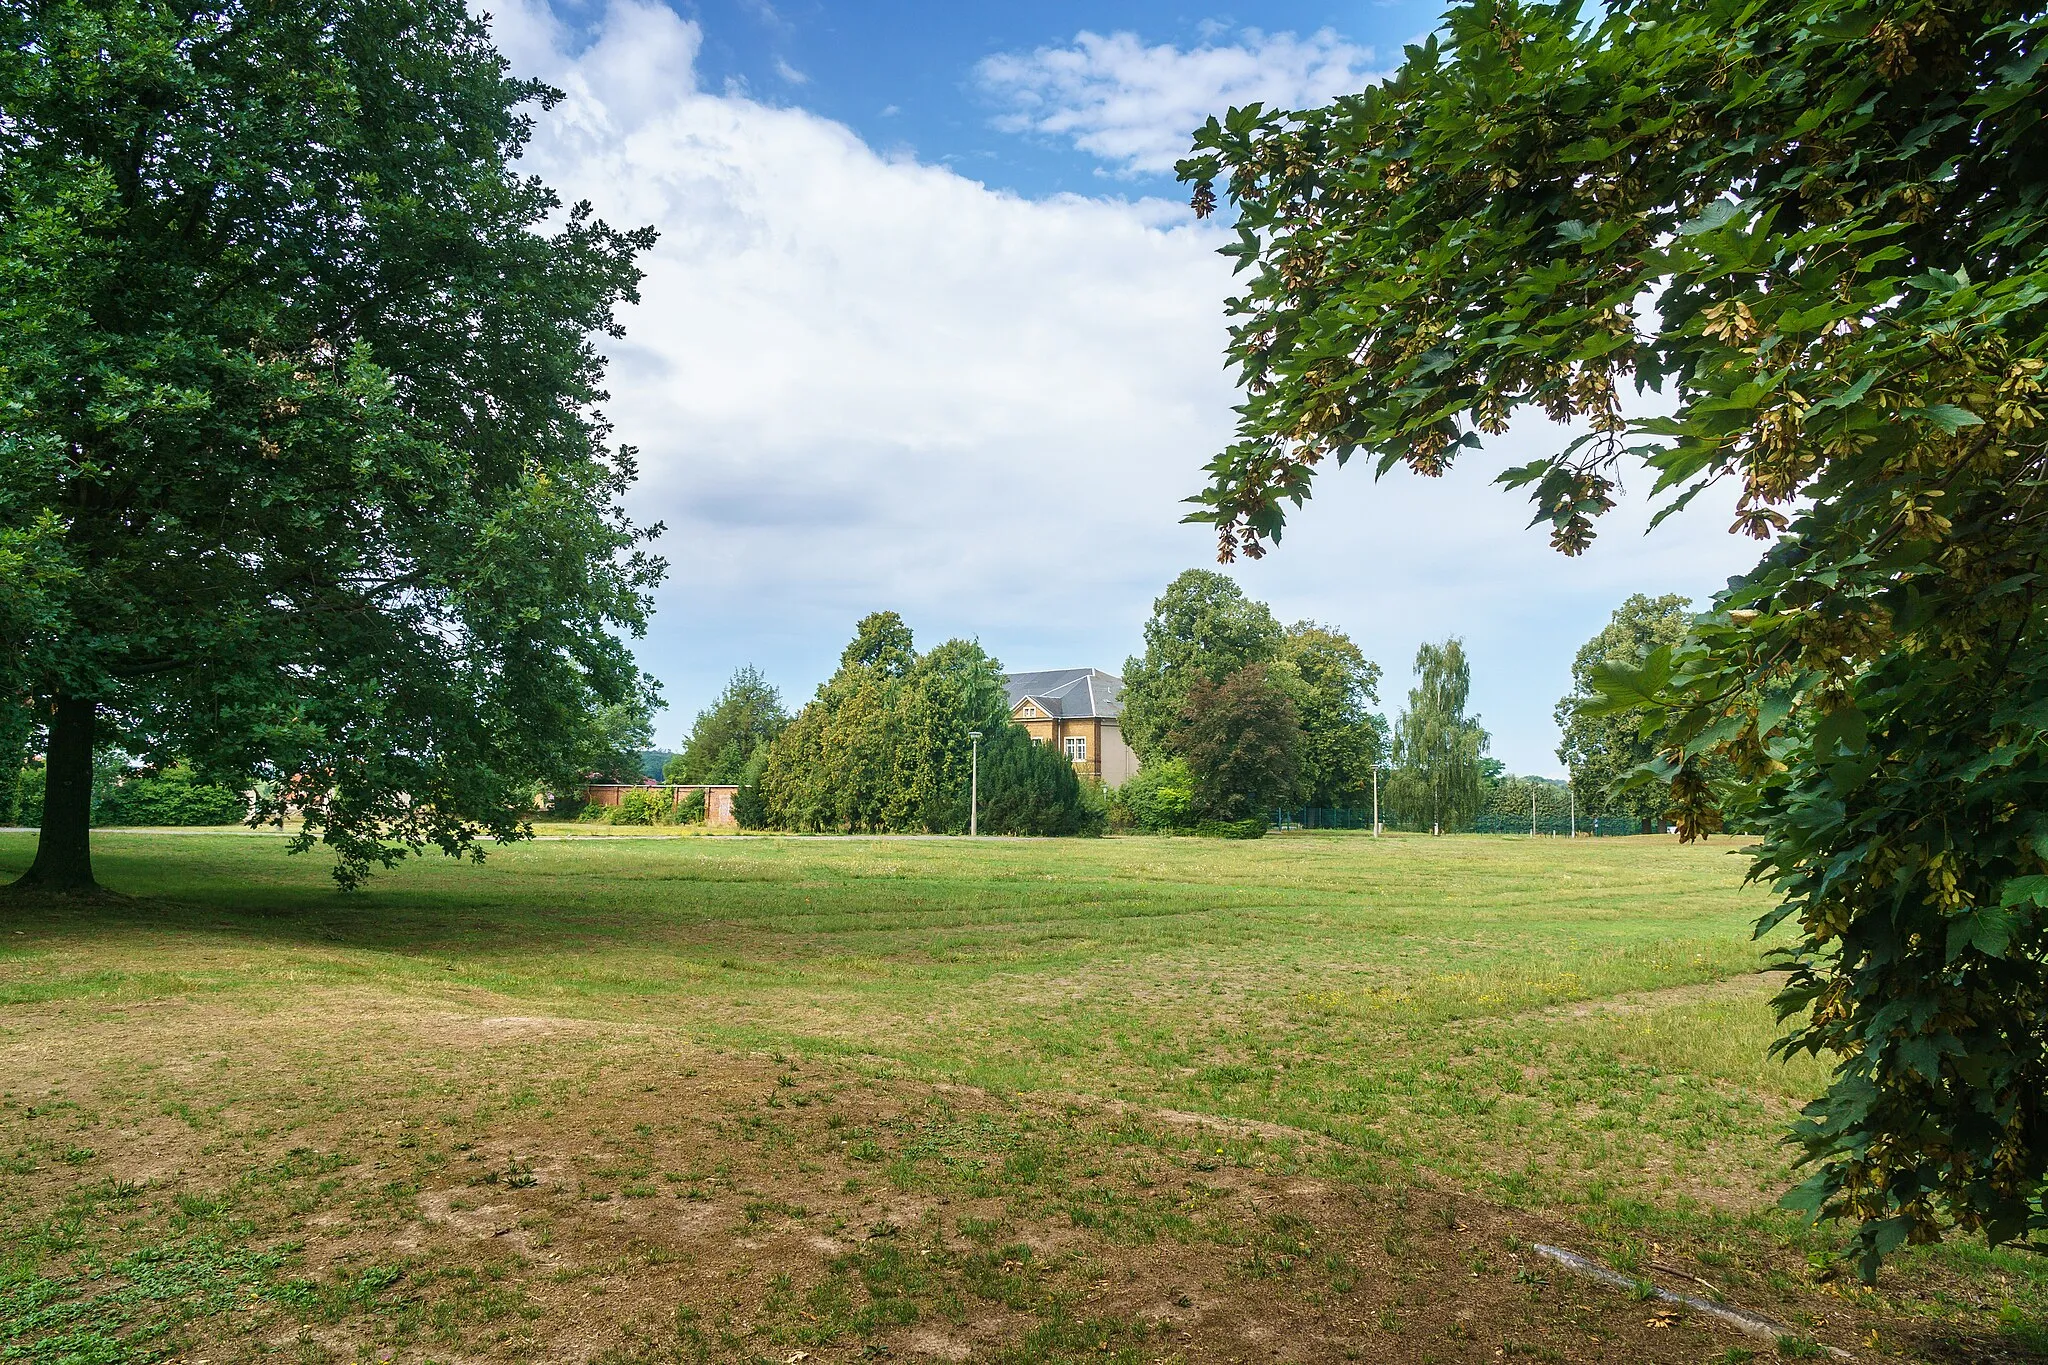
<point>1318,817</point>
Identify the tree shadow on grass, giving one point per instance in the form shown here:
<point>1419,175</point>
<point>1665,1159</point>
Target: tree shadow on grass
<point>515,907</point>
<point>270,895</point>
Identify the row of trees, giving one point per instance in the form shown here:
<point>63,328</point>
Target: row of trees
<point>1233,714</point>
<point>886,745</point>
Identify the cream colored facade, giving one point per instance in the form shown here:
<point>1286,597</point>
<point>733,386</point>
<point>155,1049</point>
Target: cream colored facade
<point>1079,712</point>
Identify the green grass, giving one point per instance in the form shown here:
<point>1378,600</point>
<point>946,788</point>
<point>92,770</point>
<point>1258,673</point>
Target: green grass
<point>1571,1027</point>
<point>1409,997</point>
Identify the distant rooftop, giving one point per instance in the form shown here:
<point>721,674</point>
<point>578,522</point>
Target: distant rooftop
<point>1070,693</point>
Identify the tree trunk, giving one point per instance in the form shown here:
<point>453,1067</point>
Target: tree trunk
<point>64,852</point>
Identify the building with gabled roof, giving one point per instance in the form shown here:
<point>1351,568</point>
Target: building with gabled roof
<point>1080,712</point>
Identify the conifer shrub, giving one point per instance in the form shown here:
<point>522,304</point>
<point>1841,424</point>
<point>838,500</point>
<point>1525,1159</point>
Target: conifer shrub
<point>749,804</point>
<point>1032,789</point>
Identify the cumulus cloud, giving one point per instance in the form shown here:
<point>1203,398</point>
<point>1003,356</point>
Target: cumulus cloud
<point>863,382</point>
<point>1134,106</point>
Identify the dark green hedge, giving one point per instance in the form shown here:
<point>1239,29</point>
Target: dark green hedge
<point>171,796</point>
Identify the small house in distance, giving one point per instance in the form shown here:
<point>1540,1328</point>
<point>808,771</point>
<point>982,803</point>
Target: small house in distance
<point>1079,711</point>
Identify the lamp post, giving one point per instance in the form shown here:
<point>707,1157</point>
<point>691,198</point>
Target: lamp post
<point>974,786</point>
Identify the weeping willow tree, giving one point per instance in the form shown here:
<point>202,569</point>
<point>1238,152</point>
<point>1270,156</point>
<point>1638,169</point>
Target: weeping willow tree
<point>1437,747</point>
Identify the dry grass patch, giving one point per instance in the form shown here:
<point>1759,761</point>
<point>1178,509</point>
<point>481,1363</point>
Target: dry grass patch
<point>362,1176</point>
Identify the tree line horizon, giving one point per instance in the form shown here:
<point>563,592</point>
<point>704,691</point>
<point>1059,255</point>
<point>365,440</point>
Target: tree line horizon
<point>1231,714</point>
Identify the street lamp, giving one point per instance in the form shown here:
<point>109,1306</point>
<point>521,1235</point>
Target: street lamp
<point>974,786</point>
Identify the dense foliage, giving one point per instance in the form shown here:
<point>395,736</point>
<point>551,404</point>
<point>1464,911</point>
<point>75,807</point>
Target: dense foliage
<point>745,718</point>
<point>1204,631</point>
<point>169,796</point>
<point>1334,688</point>
<point>885,747</point>
<point>1159,798</point>
<point>649,806</point>
<point>1031,788</point>
<point>1508,798</point>
<point>614,738</point>
<point>1822,227</point>
<point>1605,748</point>
<point>1241,740</point>
<point>300,473</point>
<point>17,725</point>
<point>1202,626</point>
<point>173,796</point>
<point>750,802</point>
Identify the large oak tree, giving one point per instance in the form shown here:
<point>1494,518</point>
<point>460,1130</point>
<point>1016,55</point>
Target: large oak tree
<point>301,475</point>
<point>1821,227</point>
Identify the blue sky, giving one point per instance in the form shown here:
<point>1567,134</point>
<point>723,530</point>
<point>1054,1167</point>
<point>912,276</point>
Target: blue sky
<point>903,75</point>
<point>931,329</point>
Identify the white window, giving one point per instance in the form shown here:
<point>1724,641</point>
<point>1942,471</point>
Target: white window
<point>1077,748</point>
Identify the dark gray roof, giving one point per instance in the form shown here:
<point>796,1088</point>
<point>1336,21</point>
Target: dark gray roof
<point>1070,692</point>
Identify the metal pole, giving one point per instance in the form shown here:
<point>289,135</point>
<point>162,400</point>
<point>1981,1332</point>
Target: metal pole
<point>974,786</point>
<point>1375,800</point>
<point>1574,797</point>
<point>1532,810</point>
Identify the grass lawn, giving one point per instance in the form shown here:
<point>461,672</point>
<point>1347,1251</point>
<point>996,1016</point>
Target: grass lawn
<point>673,1099</point>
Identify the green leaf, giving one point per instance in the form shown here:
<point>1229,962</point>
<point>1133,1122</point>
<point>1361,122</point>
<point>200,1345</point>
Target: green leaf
<point>1715,215</point>
<point>1810,1196</point>
<point>1987,928</point>
<point>1845,727</point>
<point>1620,687</point>
<point>1922,1056</point>
<point>1949,417</point>
<point>2025,891</point>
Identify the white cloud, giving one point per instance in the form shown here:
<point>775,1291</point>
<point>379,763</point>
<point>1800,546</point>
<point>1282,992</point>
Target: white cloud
<point>1136,107</point>
<point>790,73</point>
<point>862,382</point>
